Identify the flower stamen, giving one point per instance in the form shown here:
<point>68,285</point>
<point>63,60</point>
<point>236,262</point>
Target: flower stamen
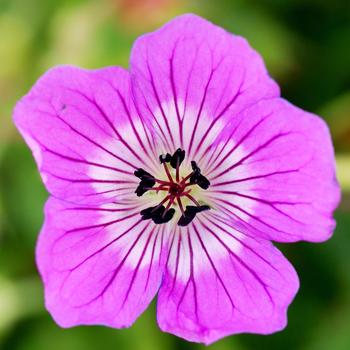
<point>192,199</point>
<point>177,171</point>
<point>181,206</point>
<point>175,190</point>
<point>168,173</point>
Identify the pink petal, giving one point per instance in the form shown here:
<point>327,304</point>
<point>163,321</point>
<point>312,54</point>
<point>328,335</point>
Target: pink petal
<point>82,129</point>
<point>275,173</point>
<point>192,73</point>
<point>270,164</point>
<point>100,265</point>
<point>221,282</point>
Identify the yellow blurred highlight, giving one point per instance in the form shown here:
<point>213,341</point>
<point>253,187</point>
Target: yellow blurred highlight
<point>17,300</point>
<point>14,43</point>
<point>343,171</point>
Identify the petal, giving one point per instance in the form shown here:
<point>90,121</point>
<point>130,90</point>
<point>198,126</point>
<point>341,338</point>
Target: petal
<point>100,265</point>
<point>220,281</point>
<point>82,129</point>
<point>273,173</point>
<point>192,73</point>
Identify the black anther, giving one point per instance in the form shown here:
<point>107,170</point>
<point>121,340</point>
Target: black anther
<point>190,213</point>
<point>157,214</point>
<point>177,158</point>
<point>165,158</point>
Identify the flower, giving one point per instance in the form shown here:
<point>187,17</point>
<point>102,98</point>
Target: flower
<point>174,178</point>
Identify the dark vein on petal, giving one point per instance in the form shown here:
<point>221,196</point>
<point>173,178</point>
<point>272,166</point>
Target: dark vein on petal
<point>200,110</point>
<point>253,216</point>
<point>241,141</point>
<point>249,226</point>
<point>104,225</point>
<point>109,122</point>
<point>134,128</point>
<point>159,103</point>
<point>223,111</point>
<point>91,194</point>
<point>136,269</point>
<point>189,80</point>
<point>254,152</point>
<point>163,135</point>
<point>116,271</point>
<point>99,209</point>
<point>271,204</point>
<point>126,109</point>
<point>178,250</point>
<point>88,138</point>
<point>152,256</point>
<point>170,248</point>
<point>84,161</point>
<point>146,129</point>
<point>214,267</point>
<point>173,88</point>
<point>192,274</point>
<point>92,180</point>
<point>249,269</point>
<point>240,241</point>
<point>215,155</point>
<point>183,292</point>
<point>100,250</point>
<point>282,172</point>
<point>162,245</point>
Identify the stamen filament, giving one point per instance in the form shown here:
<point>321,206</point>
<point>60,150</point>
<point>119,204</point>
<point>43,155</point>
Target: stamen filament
<point>180,206</point>
<point>171,201</point>
<point>184,193</point>
<point>177,171</point>
<point>159,188</point>
<point>161,203</point>
<point>168,173</point>
<point>162,182</point>
<point>192,199</point>
<point>186,178</point>
<point>189,184</point>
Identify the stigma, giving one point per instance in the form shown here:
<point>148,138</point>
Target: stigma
<point>176,189</point>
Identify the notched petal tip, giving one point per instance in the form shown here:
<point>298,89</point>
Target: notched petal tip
<point>66,119</point>
<point>78,288</point>
<point>236,289</point>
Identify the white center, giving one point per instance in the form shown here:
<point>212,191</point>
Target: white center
<point>125,198</point>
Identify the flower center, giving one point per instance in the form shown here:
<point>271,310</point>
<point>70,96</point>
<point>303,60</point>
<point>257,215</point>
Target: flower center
<point>176,188</point>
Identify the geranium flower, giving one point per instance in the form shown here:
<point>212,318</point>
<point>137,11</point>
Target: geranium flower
<point>174,178</point>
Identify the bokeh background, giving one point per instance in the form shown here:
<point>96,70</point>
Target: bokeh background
<point>306,46</point>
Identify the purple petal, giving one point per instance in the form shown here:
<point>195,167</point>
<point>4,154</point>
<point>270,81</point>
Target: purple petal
<point>82,129</point>
<point>192,73</point>
<point>100,265</point>
<point>273,173</point>
<point>220,282</point>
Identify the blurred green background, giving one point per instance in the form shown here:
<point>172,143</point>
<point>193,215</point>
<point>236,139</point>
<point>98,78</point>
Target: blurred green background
<point>306,46</point>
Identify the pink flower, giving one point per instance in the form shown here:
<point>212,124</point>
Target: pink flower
<point>174,178</point>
